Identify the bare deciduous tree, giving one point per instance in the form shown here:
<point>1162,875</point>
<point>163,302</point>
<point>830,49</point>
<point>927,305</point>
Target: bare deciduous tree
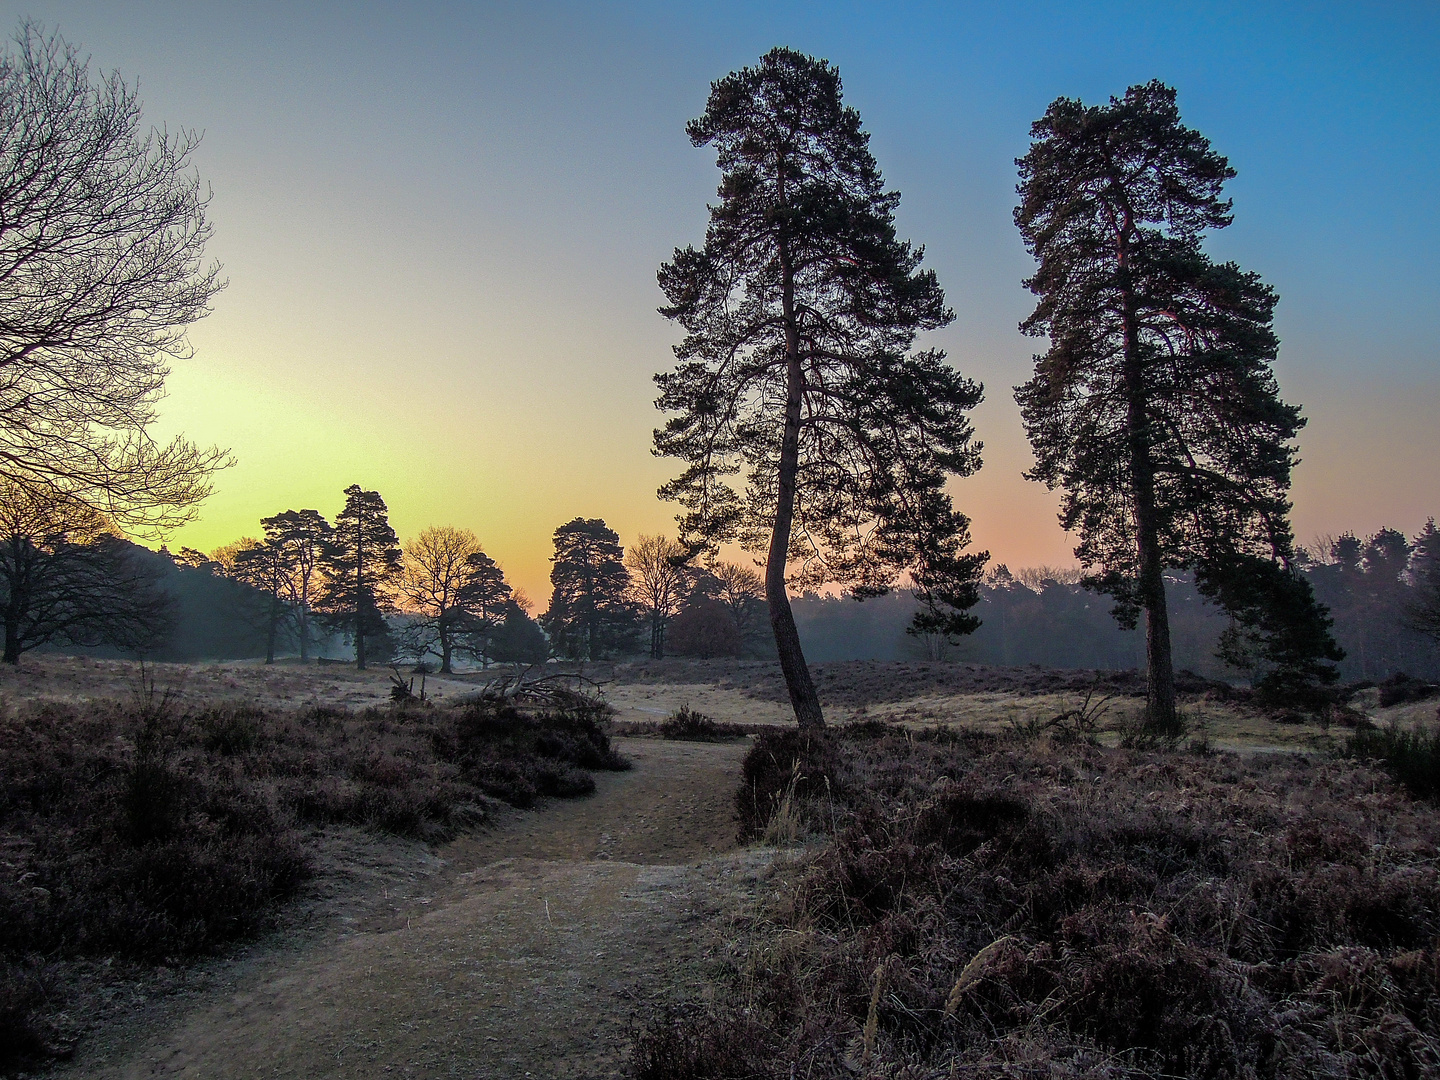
<point>454,588</point>
<point>742,590</point>
<point>658,579</point>
<point>102,238</point>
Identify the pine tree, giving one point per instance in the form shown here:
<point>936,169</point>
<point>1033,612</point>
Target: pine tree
<point>1424,610</point>
<point>796,372</point>
<point>361,564</point>
<point>302,537</point>
<point>486,598</point>
<point>265,568</point>
<point>589,615</point>
<point>1155,409</point>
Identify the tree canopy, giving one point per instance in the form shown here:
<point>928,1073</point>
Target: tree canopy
<point>590,615</point>
<point>454,589</point>
<point>659,576</point>
<point>67,578</point>
<point>102,272</point>
<point>361,564</point>
<point>302,537</point>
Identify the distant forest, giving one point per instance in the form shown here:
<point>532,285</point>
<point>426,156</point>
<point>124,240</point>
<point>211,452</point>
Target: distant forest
<point>1040,615</point>
<point>1045,616</point>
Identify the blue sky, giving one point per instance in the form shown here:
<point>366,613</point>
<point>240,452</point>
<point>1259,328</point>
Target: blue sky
<point>441,225</point>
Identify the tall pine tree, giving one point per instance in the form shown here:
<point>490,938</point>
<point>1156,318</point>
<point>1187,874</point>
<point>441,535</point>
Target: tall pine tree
<point>796,372</point>
<point>1155,409</point>
<point>589,615</point>
<point>361,564</point>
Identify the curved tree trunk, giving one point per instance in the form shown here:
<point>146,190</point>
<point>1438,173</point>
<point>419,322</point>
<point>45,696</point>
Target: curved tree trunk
<point>803,698</point>
<point>1159,664</point>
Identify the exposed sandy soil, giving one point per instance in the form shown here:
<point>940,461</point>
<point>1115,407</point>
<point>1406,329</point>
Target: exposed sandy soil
<point>528,949</point>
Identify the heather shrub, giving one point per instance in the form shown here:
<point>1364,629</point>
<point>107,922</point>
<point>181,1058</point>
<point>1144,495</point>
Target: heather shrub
<point>783,768</point>
<point>1411,756</point>
<point>1400,689</point>
<point>991,906</point>
<point>690,726</point>
<point>140,832</point>
<point>25,1033</point>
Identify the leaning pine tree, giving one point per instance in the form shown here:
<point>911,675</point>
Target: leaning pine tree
<point>796,372</point>
<point>1156,410</point>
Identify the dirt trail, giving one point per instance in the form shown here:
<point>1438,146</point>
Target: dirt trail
<point>538,944</point>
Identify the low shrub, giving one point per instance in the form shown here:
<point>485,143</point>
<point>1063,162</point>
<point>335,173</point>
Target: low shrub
<point>783,770</point>
<point>1401,689</point>
<point>1411,756</point>
<point>135,831</point>
<point>987,907</point>
<point>690,726</point>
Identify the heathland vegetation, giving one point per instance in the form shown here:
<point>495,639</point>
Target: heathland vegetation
<point>1062,897</point>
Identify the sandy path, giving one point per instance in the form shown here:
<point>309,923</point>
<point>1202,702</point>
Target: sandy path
<point>538,945</point>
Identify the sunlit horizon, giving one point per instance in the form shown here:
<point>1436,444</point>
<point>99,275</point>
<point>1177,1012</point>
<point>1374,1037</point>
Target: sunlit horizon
<point>441,228</point>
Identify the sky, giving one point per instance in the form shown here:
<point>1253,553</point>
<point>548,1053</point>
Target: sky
<point>441,223</point>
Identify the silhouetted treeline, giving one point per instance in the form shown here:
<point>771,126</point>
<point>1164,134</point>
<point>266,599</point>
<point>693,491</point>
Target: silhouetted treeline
<point>210,616</point>
<point>1373,587</point>
<point>1047,622</point>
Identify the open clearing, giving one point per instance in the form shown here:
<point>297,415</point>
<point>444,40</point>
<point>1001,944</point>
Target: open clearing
<point>743,692</point>
<point>536,946</point>
<point>528,949</point>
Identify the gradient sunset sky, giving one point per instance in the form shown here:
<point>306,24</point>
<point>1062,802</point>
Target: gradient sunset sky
<point>441,226</point>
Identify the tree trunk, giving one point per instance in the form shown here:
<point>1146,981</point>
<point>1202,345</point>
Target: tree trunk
<point>1160,671</point>
<point>304,618</point>
<point>445,649</point>
<point>12,641</point>
<point>359,599</point>
<point>271,629</point>
<point>803,698</point>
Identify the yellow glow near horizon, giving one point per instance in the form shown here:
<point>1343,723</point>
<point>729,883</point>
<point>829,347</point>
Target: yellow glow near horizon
<point>512,462</point>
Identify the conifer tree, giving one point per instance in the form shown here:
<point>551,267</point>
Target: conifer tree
<point>1155,409</point>
<point>361,563</point>
<point>797,373</point>
<point>265,567</point>
<point>589,615</point>
<point>1424,610</point>
<point>302,537</point>
<point>486,598</point>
